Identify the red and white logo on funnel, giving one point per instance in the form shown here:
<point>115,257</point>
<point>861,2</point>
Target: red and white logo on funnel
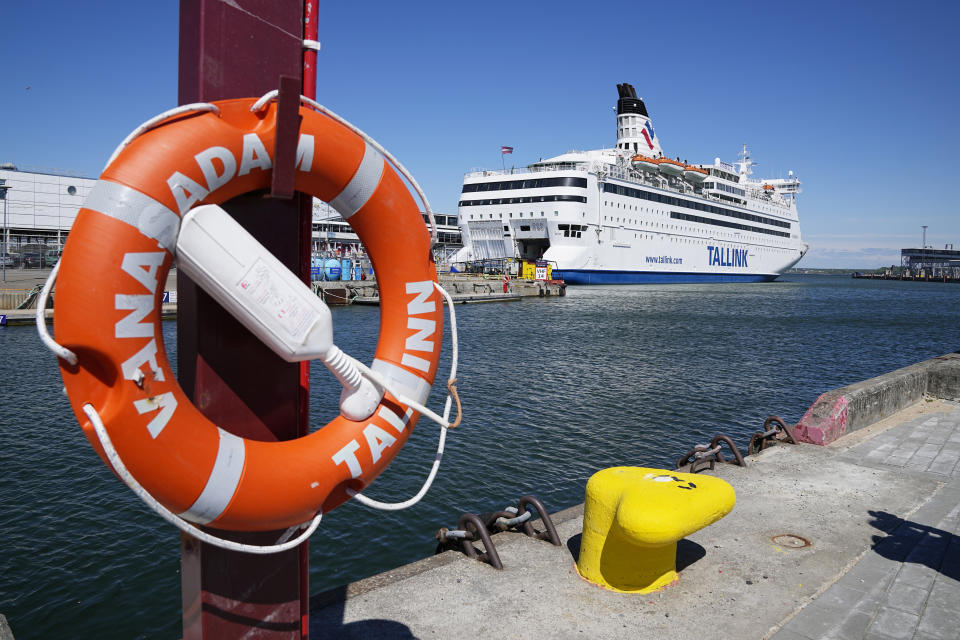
<point>648,134</point>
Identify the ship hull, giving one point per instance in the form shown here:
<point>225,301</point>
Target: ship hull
<point>590,277</point>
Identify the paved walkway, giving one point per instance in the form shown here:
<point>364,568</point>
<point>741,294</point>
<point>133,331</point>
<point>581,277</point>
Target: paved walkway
<point>908,585</point>
<point>878,509</point>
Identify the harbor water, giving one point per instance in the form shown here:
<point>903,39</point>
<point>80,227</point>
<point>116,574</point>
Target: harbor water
<point>553,389</point>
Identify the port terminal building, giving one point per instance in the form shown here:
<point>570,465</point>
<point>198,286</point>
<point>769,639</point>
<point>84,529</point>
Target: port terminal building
<point>40,207</point>
<point>931,263</point>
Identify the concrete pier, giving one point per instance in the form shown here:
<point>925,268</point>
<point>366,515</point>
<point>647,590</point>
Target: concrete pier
<point>856,539</point>
<point>463,289</point>
<point>855,406</point>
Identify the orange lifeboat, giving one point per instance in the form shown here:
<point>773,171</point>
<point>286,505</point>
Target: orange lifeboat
<point>670,167</point>
<point>768,188</point>
<point>645,163</point>
<point>694,174</point>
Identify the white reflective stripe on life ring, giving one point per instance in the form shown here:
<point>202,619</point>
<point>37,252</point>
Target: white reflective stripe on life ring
<point>140,211</point>
<point>222,483</point>
<point>362,185</point>
<point>407,383</point>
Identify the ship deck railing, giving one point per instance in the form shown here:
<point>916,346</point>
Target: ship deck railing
<point>512,171</point>
<point>623,173</point>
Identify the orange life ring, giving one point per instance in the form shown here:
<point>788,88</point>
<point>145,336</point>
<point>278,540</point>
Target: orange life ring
<point>110,290</point>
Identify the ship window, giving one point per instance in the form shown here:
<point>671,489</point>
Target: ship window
<point>524,227</point>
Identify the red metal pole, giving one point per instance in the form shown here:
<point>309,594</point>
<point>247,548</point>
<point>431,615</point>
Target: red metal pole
<point>230,52</point>
<point>310,32</point>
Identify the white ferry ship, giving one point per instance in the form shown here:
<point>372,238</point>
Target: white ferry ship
<point>630,215</point>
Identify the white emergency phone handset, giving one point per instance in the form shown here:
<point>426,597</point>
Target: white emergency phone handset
<point>270,301</point>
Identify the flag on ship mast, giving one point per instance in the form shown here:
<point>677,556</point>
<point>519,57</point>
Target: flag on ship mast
<point>504,151</point>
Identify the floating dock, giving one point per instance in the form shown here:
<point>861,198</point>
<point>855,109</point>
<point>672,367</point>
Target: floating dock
<point>855,539</point>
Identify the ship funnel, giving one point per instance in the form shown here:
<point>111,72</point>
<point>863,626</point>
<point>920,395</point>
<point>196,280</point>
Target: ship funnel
<point>629,102</point>
<point>635,132</point>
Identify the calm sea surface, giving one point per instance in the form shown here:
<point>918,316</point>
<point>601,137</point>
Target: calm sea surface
<point>553,389</point>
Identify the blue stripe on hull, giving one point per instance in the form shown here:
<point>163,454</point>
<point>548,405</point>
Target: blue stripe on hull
<point>584,276</point>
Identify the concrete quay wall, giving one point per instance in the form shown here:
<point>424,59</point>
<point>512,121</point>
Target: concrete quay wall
<point>855,406</point>
<point>845,541</point>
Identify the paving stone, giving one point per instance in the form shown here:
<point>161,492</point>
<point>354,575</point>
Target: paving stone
<point>951,448</point>
<point>931,561</point>
<point>939,471</point>
<point>893,623</point>
<point>816,620</point>
<point>945,594</point>
<point>936,539</point>
<point>905,598</point>
<point>877,562</point>
<point>895,548</point>
<point>840,596</point>
<point>871,602</point>
<point>928,451</point>
<point>949,525</point>
<point>941,468</point>
<point>872,573</point>
<point>941,623</point>
<point>950,567</point>
<point>853,627</point>
<point>918,464</point>
<point>917,575</point>
<point>907,449</point>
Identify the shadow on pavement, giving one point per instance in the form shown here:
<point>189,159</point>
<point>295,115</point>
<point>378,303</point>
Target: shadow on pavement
<point>908,541</point>
<point>326,620</point>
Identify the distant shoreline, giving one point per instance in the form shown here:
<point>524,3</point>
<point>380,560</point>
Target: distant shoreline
<point>824,272</point>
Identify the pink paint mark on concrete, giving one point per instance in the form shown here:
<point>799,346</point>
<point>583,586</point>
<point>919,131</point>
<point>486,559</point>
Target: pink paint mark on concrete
<point>824,421</point>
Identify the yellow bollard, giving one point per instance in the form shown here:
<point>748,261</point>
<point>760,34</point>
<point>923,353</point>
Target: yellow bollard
<point>633,518</point>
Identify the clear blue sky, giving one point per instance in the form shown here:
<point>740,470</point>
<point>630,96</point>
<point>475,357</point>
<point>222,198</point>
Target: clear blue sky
<point>859,99</point>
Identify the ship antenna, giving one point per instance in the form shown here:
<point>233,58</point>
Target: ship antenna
<point>745,162</point>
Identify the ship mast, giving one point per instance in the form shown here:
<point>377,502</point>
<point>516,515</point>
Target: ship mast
<point>745,164</point>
